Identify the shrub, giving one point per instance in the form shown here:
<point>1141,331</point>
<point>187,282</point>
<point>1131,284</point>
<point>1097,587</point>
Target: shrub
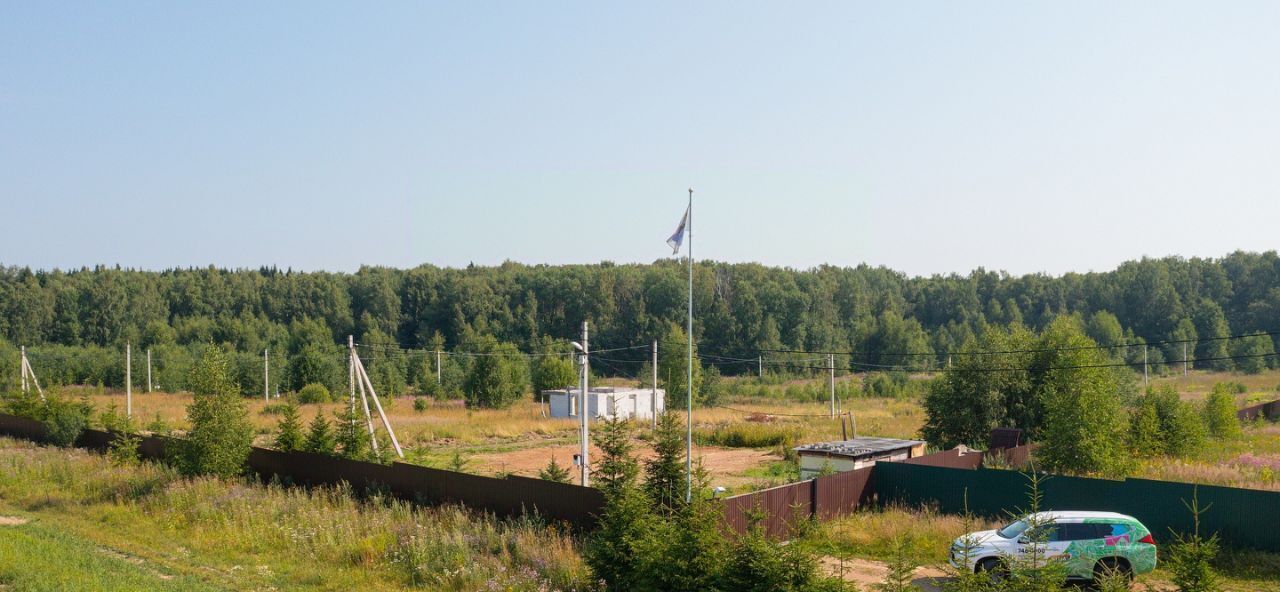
<point>1220,415</point>
<point>1163,424</point>
<point>757,562</point>
<point>220,436</point>
<point>498,379</point>
<point>419,404</point>
<point>275,409</point>
<point>748,435</point>
<point>123,450</point>
<point>552,372</point>
<point>314,393</point>
<point>889,384</point>
<point>64,420</point>
<point>158,425</point>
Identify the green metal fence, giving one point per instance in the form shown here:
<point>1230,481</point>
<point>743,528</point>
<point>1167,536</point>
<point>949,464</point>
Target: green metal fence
<point>1242,517</point>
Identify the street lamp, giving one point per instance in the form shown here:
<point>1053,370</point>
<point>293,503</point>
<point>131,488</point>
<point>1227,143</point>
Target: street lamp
<point>583,433</point>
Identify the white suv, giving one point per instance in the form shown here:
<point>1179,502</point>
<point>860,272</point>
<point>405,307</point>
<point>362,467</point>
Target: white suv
<point>1089,543</point>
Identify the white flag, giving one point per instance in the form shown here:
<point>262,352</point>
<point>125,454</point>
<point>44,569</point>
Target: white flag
<point>677,238</point>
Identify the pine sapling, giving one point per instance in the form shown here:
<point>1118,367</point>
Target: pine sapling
<point>289,436</point>
<point>902,568</point>
<point>554,472</point>
<point>1190,557</point>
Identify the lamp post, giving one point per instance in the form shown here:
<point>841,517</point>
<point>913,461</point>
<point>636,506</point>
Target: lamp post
<point>583,434</point>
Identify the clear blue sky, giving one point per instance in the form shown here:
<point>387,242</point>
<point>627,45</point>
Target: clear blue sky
<point>925,136</point>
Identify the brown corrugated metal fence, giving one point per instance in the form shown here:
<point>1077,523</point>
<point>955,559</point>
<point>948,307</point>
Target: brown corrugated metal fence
<point>510,496</point>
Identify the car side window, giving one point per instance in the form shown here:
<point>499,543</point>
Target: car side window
<point>1115,534</point>
<point>1049,533</point>
<point>1078,532</point>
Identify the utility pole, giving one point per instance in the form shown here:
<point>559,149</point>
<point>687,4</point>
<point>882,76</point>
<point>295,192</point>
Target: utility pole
<point>365,382</point>
<point>128,380</point>
<point>22,364</point>
<point>760,366</point>
<point>351,374</point>
<point>583,407</point>
<point>364,399</point>
<point>437,367</point>
<point>1145,376</point>
<point>653,398</point>
<point>1184,360</point>
<point>831,365</point>
<point>266,374</point>
<point>29,375</point>
<point>148,370</point>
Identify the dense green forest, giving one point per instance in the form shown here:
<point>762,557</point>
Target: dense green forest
<point>76,322</point>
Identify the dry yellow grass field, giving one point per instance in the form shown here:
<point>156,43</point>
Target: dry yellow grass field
<point>741,442</point>
<point>522,439</point>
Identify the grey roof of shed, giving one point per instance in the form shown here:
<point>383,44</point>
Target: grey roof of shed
<point>858,447</point>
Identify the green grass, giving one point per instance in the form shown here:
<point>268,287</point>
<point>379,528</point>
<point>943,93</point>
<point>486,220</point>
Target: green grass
<point>748,435</point>
<point>36,557</point>
<point>241,535</point>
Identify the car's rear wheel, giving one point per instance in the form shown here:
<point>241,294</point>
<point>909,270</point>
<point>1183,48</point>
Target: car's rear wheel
<point>1112,568</point>
<point>994,568</point>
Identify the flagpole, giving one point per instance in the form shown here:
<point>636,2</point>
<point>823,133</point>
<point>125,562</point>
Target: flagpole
<point>688,458</point>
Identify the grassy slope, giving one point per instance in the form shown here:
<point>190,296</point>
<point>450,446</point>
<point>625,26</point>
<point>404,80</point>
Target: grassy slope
<point>132,527</point>
<point>38,557</point>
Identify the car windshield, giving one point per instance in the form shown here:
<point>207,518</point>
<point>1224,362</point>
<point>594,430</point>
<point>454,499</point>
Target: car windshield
<point>1013,530</point>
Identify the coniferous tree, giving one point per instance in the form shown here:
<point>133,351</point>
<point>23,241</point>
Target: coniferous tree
<point>320,438</point>
<point>289,436</point>
<point>1190,557</point>
<point>665,470</point>
<point>554,472</point>
<point>902,569</point>
<point>615,552</point>
<point>352,436</point>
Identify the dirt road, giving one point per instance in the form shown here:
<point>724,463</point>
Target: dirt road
<point>866,572</point>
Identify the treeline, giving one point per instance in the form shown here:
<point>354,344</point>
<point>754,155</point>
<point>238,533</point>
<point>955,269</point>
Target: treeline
<point>741,309</point>
<point>1087,415</point>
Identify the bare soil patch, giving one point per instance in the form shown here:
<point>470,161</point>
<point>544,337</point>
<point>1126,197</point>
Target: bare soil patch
<point>866,572</point>
<point>12,521</point>
<point>725,465</point>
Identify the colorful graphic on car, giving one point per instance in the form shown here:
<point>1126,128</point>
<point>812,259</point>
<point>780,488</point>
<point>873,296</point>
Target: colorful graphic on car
<point>1117,539</point>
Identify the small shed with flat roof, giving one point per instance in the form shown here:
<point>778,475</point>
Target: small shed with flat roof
<point>850,455</point>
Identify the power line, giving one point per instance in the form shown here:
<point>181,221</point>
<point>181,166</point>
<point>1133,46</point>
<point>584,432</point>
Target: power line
<point>397,348</point>
<point>1078,367</point>
<point>1022,351</point>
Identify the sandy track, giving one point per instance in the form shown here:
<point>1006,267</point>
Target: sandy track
<point>725,465</point>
